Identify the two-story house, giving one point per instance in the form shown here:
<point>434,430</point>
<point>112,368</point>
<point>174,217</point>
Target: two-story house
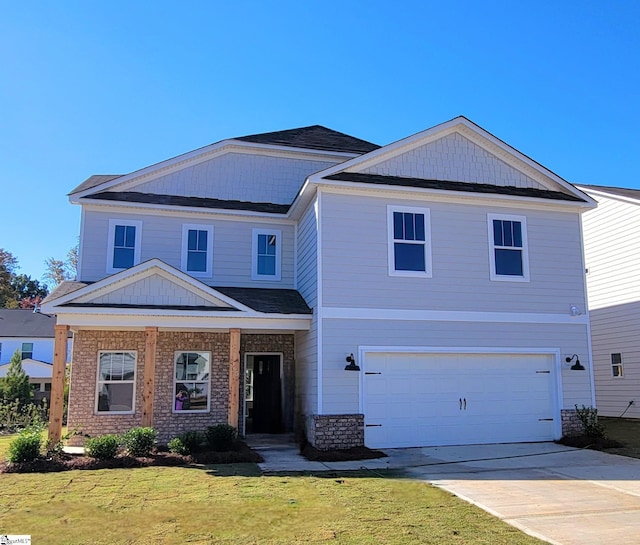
<point>611,244</point>
<point>427,292</point>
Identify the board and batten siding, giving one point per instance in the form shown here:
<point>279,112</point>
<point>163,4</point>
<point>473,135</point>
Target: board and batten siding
<point>239,176</point>
<point>306,342</point>
<point>612,246</point>
<point>162,239</point>
<point>355,259</point>
<point>341,389</point>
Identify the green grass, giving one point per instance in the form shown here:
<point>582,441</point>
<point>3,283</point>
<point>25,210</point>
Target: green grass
<point>232,505</point>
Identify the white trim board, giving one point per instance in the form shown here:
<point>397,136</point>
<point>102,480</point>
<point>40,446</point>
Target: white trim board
<point>451,316</point>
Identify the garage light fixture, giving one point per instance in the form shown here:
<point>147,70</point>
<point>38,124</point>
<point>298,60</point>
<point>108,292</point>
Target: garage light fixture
<point>577,366</point>
<point>351,364</point>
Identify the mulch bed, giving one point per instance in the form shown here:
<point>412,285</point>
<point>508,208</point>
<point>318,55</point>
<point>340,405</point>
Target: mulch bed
<point>593,443</point>
<point>346,455</point>
<point>159,457</point>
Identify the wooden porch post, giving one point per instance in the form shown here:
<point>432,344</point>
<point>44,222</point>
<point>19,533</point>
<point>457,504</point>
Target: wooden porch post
<point>234,376</point>
<point>57,383</point>
<point>151,341</point>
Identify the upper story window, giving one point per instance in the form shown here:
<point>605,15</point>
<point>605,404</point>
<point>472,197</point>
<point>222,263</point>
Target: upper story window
<point>409,241</point>
<point>115,387</point>
<point>508,248</point>
<point>266,254</point>
<point>123,247</point>
<point>616,364</point>
<point>26,351</point>
<point>197,249</point>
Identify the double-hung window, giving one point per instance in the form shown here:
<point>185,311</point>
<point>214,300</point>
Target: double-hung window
<point>409,241</point>
<point>26,351</point>
<point>266,254</point>
<point>123,245</point>
<point>508,254</point>
<point>197,249</point>
<point>616,365</point>
<point>192,371</point>
<point>115,387</point>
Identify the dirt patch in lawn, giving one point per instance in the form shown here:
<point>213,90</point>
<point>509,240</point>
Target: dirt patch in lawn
<point>159,457</point>
<point>346,455</point>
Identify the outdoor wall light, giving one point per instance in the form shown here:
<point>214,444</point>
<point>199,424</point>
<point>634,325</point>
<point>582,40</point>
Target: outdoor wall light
<point>574,310</point>
<point>351,364</point>
<point>577,366</point>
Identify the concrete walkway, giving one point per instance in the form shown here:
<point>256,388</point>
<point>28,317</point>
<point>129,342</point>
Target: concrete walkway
<point>562,495</point>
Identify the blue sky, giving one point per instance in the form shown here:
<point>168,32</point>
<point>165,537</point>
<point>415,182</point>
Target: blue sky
<point>107,87</point>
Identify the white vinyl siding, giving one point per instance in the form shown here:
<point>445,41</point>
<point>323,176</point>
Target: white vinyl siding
<point>197,250</point>
<point>355,264</point>
<point>232,242</point>
<point>124,240</point>
<point>612,246</point>
<point>266,254</point>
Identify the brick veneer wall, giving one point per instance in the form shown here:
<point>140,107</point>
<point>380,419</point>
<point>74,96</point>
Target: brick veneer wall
<point>279,343</point>
<point>571,424</point>
<point>335,431</point>
<point>82,391</point>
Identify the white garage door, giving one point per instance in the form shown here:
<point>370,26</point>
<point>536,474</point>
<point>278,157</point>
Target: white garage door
<point>429,399</point>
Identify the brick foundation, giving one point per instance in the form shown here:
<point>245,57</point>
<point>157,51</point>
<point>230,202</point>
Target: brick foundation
<point>335,431</point>
<point>82,391</point>
<point>571,424</point>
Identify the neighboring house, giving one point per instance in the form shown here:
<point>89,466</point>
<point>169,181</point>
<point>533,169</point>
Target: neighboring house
<point>30,333</point>
<point>612,244</point>
<point>426,292</point>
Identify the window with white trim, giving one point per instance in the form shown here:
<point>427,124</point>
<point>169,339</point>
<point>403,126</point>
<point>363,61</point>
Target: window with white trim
<point>266,254</point>
<point>616,365</point>
<point>123,244</point>
<point>197,249</point>
<point>409,241</point>
<point>26,351</point>
<point>0,351</point>
<point>508,255</point>
<point>191,382</point>
<point>116,387</point>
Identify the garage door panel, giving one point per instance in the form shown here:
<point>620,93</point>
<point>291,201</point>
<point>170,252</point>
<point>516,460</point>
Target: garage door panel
<point>418,399</point>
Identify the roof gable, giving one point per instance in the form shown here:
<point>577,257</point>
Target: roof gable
<point>464,157</point>
<point>312,137</point>
<point>152,284</point>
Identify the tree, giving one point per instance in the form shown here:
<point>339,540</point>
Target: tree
<point>24,287</point>
<point>15,384</point>
<point>8,265</point>
<point>59,270</point>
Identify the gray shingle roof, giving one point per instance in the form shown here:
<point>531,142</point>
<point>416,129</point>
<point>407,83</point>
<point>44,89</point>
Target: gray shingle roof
<point>620,191</point>
<point>451,186</point>
<point>312,137</point>
<point>26,323</point>
<point>95,180</point>
<point>276,301</point>
<point>197,202</point>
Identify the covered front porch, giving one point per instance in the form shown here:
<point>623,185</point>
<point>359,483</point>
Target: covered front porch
<point>155,347</point>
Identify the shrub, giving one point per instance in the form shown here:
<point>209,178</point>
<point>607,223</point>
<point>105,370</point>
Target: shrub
<point>15,416</point>
<point>589,419</point>
<point>25,447</point>
<point>221,437</point>
<point>187,443</point>
<point>104,447</point>
<point>139,441</point>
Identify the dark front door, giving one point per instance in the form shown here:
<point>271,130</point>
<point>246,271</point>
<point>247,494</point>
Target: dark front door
<point>267,394</point>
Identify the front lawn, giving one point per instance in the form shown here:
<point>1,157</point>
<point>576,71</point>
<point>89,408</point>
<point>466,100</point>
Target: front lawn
<point>233,504</point>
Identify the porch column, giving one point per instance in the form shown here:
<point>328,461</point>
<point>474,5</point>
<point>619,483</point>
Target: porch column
<point>57,383</point>
<point>234,376</point>
<point>150,343</point>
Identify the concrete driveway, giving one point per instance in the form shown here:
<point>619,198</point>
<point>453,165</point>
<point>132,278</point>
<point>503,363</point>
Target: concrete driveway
<point>562,495</point>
